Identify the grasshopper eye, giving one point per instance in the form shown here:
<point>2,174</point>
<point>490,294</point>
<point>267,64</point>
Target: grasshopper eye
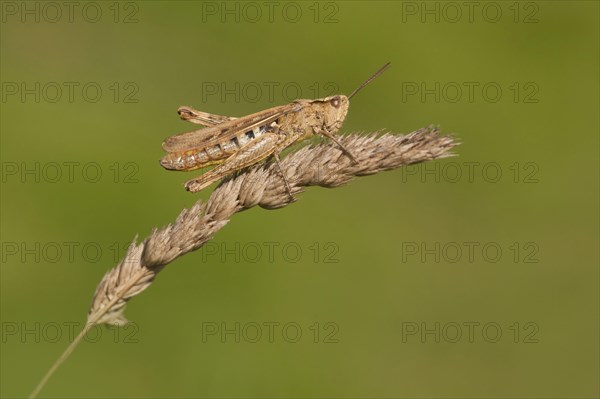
<point>335,101</point>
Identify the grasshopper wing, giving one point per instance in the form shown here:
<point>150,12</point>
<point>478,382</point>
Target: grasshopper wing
<point>215,134</point>
<point>201,118</point>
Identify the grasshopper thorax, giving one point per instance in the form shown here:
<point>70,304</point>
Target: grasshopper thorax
<point>326,113</point>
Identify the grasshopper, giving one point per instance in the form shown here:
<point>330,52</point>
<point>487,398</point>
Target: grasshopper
<point>236,143</point>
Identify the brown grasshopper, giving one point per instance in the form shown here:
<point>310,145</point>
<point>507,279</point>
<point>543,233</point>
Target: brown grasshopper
<point>236,143</point>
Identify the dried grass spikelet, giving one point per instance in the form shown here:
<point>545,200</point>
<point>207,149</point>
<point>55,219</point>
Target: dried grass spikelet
<point>321,165</point>
<point>318,165</point>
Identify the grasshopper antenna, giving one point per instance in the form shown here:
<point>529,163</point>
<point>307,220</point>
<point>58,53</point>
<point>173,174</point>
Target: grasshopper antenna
<point>366,82</point>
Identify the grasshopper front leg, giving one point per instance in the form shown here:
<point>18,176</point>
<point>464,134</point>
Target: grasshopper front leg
<point>332,137</point>
<point>256,150</point>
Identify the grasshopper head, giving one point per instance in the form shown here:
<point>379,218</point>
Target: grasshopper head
<point>335,109</point>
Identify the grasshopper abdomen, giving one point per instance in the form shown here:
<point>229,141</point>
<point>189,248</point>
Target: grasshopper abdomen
<point>212,154</point>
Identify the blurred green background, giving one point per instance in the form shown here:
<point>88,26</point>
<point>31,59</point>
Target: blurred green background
<point>371,274</point>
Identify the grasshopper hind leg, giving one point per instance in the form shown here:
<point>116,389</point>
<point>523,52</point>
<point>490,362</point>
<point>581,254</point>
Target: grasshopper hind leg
<point>251,153</point>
